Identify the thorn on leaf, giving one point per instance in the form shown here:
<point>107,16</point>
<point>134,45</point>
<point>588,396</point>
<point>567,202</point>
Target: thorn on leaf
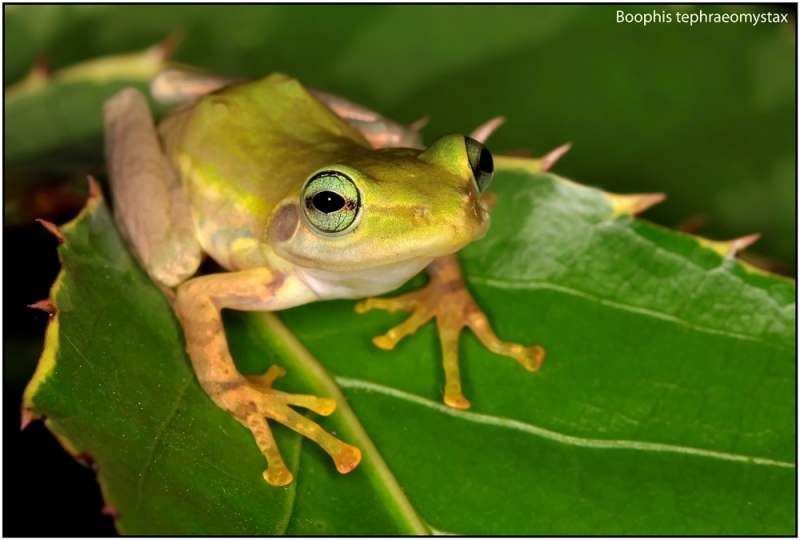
<point>87,458</point>
<point>484,131</point>
<point>166,48</point>
<point>45,305</point>
<point>634,204</point>
<point>52,228</point>
<point>94,187</point>
<point>647,200</point>
<point>41,66</point>
<point>551,157</point>
<point>741,243</point>
<point>110,510</point>
<point>421,123</point>
<point>692,224</point>
<point>26,417</point>
<point>729,248</point>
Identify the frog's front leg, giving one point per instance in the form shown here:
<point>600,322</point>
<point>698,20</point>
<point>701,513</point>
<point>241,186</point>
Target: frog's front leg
<point>251,399</point>
<point>447,298</point>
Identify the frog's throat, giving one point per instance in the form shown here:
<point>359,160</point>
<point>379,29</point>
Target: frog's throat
<point>379,280</point>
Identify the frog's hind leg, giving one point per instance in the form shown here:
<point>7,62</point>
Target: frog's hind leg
<point>150,207</point>
<point>447,298</point>
<point>377,129</point>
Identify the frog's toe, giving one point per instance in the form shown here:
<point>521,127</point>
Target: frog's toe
<point>415,302</point>
<point>390,339</point>
<point>264,381</point>
<point>530,357</point>
<point>456,400</point>
<point>348,458</point>
<point>278,475</point>
<point>447,299</point>
<point>405,302</point>
<point>322,406</point>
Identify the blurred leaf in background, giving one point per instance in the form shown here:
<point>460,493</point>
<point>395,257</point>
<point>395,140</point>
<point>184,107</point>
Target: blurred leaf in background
<point>704,113</point>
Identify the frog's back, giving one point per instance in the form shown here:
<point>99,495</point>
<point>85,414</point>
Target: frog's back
<point>242,150</point>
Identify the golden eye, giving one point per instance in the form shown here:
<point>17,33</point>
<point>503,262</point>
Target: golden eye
<point>481,162</point>
<point>331,201</point>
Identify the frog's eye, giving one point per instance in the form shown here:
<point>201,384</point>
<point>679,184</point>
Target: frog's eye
<point>481,162</point>
<point>331,201</point>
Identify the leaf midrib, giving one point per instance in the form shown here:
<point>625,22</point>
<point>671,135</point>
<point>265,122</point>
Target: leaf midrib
<point>275,327</point>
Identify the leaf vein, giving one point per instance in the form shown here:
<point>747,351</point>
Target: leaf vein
<point>159,433</point>
<point>509,423</point>
<point>527,284</point>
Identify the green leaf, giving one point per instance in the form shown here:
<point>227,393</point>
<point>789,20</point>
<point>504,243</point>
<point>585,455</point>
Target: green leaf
<point>665,406</point>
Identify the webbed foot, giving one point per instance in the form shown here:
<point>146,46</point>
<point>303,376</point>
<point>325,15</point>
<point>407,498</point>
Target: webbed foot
<point>447,298</point>
<point>252,399</point>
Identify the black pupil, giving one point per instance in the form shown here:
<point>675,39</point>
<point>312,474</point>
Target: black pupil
<point>328,201</point>
<point>486,161</point>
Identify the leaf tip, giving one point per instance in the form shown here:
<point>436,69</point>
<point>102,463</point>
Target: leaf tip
<point>53,229</point>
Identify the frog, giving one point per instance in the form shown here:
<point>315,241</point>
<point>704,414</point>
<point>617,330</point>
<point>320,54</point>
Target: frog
<point>298,196</point>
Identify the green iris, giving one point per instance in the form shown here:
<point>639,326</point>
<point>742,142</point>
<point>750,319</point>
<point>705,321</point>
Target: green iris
<point>331,201</point>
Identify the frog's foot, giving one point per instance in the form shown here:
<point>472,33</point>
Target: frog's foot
<point>252,399</point>
<point>449,301</point>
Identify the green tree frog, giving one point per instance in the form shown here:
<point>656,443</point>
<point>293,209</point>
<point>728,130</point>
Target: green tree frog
<point>301,196</point>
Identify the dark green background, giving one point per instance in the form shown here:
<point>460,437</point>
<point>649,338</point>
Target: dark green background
<point>703,113</point>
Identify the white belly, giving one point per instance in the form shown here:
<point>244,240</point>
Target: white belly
<point>361,283</point>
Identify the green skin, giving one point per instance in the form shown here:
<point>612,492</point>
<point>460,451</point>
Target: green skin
<point>245,153</point>
<point>231,176</point>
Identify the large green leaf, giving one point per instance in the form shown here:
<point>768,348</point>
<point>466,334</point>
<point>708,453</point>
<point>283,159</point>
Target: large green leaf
<point>704,112</point>
<point>665,406</point>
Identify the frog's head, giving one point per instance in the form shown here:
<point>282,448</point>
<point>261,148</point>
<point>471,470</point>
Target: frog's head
<point>378,207</point>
